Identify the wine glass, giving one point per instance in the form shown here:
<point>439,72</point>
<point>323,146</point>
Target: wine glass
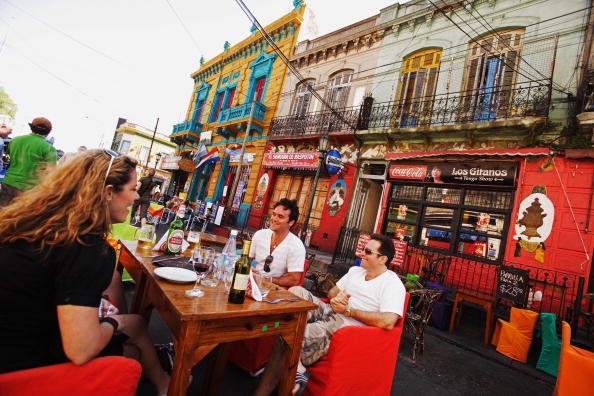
<point>200,261</point>
<point>210,277</point>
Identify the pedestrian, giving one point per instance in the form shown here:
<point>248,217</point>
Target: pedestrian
<point>144,188</point>
<point>30,155</point>
<point>56,264</point>
<point>278,251</point>
<point>368,295</point>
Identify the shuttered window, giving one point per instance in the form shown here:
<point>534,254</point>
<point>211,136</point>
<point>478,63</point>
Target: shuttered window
<point>338,88</point>
<point>302,98</point>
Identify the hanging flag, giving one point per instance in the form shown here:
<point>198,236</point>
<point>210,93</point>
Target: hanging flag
<point>201,152</point>
<point>230,152</point>
<point>212,156</point>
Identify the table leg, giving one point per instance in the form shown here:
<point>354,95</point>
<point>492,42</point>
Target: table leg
<point>454,313</point>
<point>184,359</point>
<point>140,303</point>
<point>294,341</point>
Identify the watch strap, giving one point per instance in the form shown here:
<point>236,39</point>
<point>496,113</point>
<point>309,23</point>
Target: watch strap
<point>111,321</point>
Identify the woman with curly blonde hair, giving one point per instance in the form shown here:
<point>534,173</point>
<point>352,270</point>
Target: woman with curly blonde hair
<point>56,262</point>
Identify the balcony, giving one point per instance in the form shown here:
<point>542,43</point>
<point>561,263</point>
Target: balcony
<point>343,120</point>
<point>529,99</point>
<point>187,126</point>
<point>242,111</point>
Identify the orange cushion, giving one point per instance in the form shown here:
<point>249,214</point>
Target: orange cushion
<point>513,343</point>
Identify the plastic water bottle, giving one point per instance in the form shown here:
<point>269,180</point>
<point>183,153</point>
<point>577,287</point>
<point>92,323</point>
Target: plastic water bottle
<point>229,254</point>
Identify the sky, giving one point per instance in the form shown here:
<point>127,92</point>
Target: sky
<point>84,63</point>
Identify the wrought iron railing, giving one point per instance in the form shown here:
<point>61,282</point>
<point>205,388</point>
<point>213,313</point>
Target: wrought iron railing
<point>342,120</point>
<point>530,98</point>
<point>243,111</point>
<point>187,126</point>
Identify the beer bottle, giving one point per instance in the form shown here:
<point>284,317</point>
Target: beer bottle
<point>241,276</point>
<point>175,236</point>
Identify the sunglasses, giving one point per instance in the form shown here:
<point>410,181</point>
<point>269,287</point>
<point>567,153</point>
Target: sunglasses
<point>369,252</point>
<point>267,262</point>
<point>113,155</point>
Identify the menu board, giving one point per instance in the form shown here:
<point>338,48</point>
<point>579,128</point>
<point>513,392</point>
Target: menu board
<point>512,284</point>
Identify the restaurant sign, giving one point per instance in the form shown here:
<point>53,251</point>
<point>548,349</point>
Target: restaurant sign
<point>304,160</point>
<point>170,162</point>
<point>478,173</point>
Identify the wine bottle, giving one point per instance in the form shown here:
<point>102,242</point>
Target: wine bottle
<point>175,236</point>
<point>241,276</point>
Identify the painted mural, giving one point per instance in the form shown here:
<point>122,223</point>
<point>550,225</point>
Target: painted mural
<point>536,215</point>
<point>379,151</point>
<point>336,197</point>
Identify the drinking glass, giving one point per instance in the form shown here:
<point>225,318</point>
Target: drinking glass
<point>145,235</point>
<point>264,282</point>
<point>210,277</point>
<point>201,261</point>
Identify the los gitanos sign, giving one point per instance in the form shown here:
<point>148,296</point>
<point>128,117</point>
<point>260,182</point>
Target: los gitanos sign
<point>478,173</point>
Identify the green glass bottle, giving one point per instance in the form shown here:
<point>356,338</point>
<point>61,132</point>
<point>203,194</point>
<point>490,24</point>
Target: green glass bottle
<point>175,236</point>
<point>241,276</point>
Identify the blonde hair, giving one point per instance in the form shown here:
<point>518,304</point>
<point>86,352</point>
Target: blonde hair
<point>68,203</point>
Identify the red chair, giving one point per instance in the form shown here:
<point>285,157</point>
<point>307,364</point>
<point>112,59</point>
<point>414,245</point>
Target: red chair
<point>104,376</point>
<point>361,360</point>
<point>253,353</point>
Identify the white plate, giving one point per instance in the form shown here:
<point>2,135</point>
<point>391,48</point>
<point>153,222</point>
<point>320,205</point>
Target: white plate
<point>176,275</point>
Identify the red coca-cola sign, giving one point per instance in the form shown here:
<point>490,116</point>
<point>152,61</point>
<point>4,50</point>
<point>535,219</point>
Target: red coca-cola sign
<point>408,172</point>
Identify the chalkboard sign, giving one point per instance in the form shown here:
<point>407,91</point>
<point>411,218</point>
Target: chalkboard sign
<point>512,284</point>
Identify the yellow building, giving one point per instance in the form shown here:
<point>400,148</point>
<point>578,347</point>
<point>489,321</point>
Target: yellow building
<point>134,141</point>
<point>244,79</point>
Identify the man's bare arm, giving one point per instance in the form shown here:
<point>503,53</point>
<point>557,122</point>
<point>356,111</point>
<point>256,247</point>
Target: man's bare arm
<point>384,320</point>
<point>289,279</point>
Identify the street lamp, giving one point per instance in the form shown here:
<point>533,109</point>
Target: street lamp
<point>158,155</point>
<point>323,148</point>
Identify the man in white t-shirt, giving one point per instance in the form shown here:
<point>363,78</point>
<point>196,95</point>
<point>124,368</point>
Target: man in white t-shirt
<point>369,295</point>
<point>278,252</point>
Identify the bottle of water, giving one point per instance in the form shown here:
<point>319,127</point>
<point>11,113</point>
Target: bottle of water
<point>229,254</point>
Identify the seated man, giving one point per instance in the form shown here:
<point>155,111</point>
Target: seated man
<point>369,295</point>
<point>278,252</point>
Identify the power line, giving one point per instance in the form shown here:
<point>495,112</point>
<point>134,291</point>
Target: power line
<point>64,33</point>
<point>185,27</point>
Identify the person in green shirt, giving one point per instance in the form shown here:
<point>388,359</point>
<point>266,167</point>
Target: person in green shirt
<point>29,155</point>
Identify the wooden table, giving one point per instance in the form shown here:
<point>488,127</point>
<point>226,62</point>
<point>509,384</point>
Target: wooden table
<point>208,239</point>
<point>487,305</point>
<point>200,324</point>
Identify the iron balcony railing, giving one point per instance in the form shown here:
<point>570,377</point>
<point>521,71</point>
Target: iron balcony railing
<point>526,99</point>
<point>342,120</point>
<point>243,111</point>
<point>187,126</point>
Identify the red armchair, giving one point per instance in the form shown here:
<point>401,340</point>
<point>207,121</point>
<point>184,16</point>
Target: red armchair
<point>361,361</point>
<point>253,353</point>
<point>104,376</point>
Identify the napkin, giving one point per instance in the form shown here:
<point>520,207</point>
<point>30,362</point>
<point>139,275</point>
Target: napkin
<point>256,294</point>
<point>160,246</point>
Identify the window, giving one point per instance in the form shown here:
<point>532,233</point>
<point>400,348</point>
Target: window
<point>200,108</point>
<point>417,88</point>
<point>490,75</point>
<point>144,152</point>
<point>124,147</point>
<point>230,96</point>
<point>302,98</point>
<point>259,90</point>
<point>462,220</point>
<point>218,103</point>
<point>339,86</point>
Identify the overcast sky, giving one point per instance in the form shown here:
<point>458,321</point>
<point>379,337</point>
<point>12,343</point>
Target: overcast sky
<point>84,63</point>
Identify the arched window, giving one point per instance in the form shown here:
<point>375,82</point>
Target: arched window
<point>302,98</point>
<point>338,88</point>
<point>417,87</point>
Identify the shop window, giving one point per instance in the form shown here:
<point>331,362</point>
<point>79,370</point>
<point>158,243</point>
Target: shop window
<point>417,88</point>
<point>462,221</point>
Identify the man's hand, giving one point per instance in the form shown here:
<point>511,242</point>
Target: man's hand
<point>342,297</point>
<point>338,305</point>
<point>5,130</point>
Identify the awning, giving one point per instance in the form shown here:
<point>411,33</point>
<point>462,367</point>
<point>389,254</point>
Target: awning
<point>579,153</point>
<point>476,153</point>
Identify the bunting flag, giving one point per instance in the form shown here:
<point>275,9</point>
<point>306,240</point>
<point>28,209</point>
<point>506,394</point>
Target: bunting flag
<point>212,156</point>
<point>201,152</point>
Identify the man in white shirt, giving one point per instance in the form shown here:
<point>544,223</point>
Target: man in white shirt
<point>369,295</point>
<point>278,252</point>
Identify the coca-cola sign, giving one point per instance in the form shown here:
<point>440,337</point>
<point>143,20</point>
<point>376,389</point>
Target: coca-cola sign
<point>408,172</point>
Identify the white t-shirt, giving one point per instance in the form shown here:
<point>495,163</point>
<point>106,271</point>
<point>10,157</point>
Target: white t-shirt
<point>289,255</point>
<point>385,293</point>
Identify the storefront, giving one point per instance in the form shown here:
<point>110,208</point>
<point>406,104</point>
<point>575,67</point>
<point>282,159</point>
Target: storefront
<point>522,207</point>
<point>291,175</point>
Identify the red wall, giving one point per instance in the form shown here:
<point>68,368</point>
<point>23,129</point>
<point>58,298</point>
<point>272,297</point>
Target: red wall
<point>326,236</point>
<point>563,249</point>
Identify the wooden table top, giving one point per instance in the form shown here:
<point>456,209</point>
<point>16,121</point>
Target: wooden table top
<point>214,303</point>
<point>213,239</point>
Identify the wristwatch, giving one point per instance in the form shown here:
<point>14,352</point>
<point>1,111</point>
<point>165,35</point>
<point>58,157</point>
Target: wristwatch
<point>347,312</point>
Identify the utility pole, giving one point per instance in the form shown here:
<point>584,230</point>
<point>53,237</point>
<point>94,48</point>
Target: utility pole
<point>151,148</point>
<point>238,173</point>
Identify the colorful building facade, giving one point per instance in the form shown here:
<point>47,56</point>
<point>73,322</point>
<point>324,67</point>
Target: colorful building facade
<point>239,87</point>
